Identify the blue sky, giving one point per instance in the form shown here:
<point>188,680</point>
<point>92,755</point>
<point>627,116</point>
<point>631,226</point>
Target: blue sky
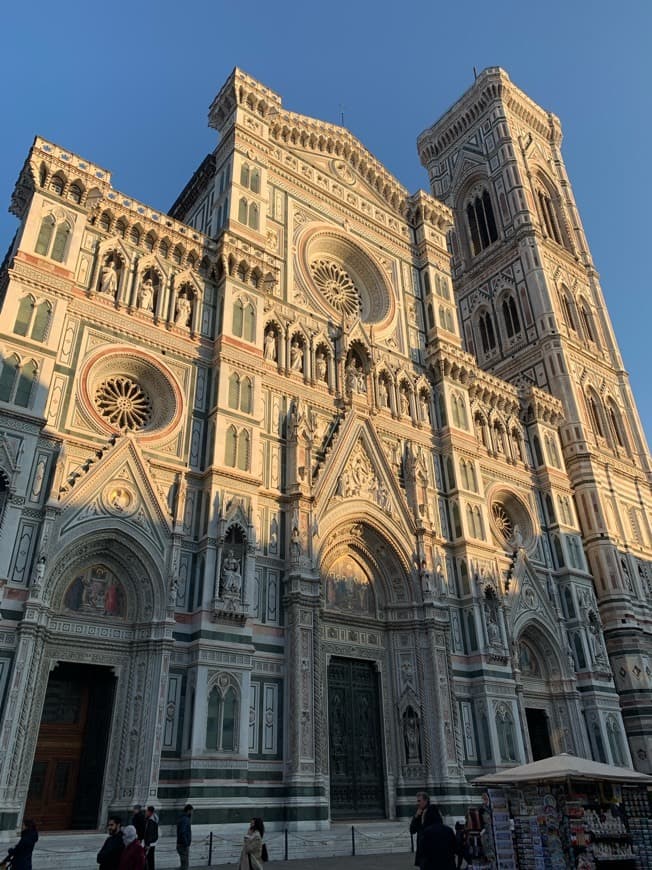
<point>127,85</point>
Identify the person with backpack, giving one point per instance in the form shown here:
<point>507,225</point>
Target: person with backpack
<point>254,851</point>
<point>150,836</point>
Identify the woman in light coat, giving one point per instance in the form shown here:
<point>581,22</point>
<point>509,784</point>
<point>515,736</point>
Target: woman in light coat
<point>252,850</point>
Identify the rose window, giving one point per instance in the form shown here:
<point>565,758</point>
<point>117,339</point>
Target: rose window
<point>123,403</point>
<point>336,285</point>
<point>503,521</point>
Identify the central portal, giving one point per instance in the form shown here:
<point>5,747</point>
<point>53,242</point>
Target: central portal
<point>355,753</point>
<point>65,788</point>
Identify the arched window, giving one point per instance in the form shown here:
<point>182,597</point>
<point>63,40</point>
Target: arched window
<point>238,317</point>
<point>24,315</point>
<point>246,396</point>
<point>553,453</point>
<point>616,424</point>
<point>26,380</point>
<point>75,193</point>
<point>550,510</point>
<point>230,447</point>
<point>481,222</point>
<point>548,214</point>
<point>253,216</point>
<point>487,332</point>
<point>430,315</point>
<point>222,720</point>
<point>243,450</point>
<point>464,578</point>
<point>595,414</point>
<point>234,391</point>
<point>105,221</point>
<point>538,455</point>
<point>569,604</point>
<point>121,228</point>
<point>150,241</point>
<point>45,236</point>
<point>244,175</point>
<point>450,473</point>
<point>587,322</point>
<point>426,283</point>
<point>243,210</point>
<point>60,243</point>
<point>457,522</point>
<point>578,646</point>
<point>249,324</point>
<point>566,309</point>
<point>41,320</point>
<point>177,254</point>
<point>510,316</point>
<point>56,184</point>
<point>8,377</point>
<point>559,553</point>
<point>134,236</point>
<point>164,248</point>
<point>254,183</point>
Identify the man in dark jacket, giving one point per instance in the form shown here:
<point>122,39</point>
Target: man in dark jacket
<point>184,836</point>
<point>138,821</point>
<point>426,815</point>
<point>438,847</point>
<point>109,855</point>
<point>151,835</point>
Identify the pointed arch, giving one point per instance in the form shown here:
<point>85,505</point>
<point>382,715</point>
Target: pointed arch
<point>24,314</point>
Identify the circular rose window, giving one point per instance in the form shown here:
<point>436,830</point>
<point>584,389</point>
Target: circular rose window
<point>124,390</point>
<point>343,277</point>
<point>511,520</point>
<point>123,402</point>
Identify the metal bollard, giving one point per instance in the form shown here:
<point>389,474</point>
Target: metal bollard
<point>210,849</point>
<point>353,841</point>
<point>286,844</point>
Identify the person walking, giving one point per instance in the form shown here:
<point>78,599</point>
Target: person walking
<point>438,846</point>
<point>138,821</point>
<point>461,838</point>
<point>251,857</point>
<point>19,856</point>
<point>151,835</point>
<point>109,855</point>
<point>425,815</point>
<point>133,856</point>
<point>184,836</point>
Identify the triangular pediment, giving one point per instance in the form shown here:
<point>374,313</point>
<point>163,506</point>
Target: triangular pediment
<point>357,469</point>
<point>529,596</point>
<point>118,491</point>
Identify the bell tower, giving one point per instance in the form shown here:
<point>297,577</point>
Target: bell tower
<point>532,311</point>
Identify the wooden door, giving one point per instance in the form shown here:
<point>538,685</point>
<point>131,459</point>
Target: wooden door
<point>55,774</point>
<point>357,783</point>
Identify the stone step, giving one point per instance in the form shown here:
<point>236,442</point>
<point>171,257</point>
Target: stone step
<point>78,851</point>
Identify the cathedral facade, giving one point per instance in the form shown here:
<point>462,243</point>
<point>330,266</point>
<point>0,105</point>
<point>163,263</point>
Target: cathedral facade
<point>314,492</point>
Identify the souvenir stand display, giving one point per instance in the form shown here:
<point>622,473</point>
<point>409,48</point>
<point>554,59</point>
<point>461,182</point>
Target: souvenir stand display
<point>569,812</point>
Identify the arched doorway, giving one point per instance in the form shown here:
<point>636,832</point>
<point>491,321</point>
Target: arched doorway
<point>361,577</point>
<point>546,716</point>
<point>101,653</point>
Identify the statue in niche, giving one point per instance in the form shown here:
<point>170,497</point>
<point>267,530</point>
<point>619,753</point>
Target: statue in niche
<point>182,311</point>
<point>231,576</point>
<point>383,394</point>
<point>411,736</point>
<point>595,636</point>
<point>145,298</point>
<point>273,536</point>
<point>321,367</point>
<point>405,403</point>
<point>355,380</point>
<point>425,408</point>
<point>39,571</point>
<point>296,357</point>
<point>270,346</point>
<point>295,544</point>
<point>109,278</point>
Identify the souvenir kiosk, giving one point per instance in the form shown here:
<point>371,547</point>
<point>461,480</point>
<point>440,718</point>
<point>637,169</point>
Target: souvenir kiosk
<point>568,812</point>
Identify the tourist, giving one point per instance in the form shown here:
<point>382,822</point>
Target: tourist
<point>425,816</point>
<point>138,821</point>
<point>19,856</point>
<point>438,845</point>
<point>133,856</point>
<point>151,835</point>
<point>109,855</point>
<point>184,836</point>
<point>251,857</point>
<point>461,838</point>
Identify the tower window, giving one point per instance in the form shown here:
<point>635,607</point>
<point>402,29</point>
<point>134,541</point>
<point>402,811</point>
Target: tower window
<point>481,222</point>
<point>487,332</point>
<point>510,316</point>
